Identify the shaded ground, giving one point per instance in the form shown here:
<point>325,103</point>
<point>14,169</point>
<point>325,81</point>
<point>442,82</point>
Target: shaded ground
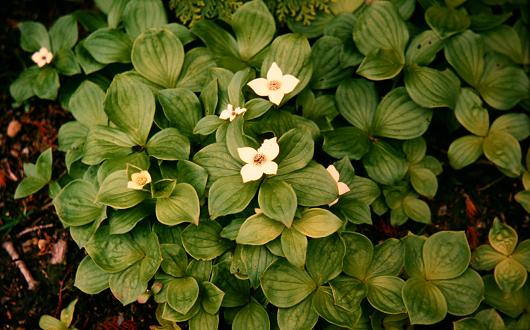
<point>466,200</point>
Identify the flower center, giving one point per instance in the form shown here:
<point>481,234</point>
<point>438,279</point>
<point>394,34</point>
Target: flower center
<point>141,180</point>
<point>274,85</point>
<point>258,159</point>
<point>43,57</point>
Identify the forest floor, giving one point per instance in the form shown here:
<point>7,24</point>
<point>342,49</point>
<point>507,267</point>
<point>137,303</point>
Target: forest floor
<point>467,200</point>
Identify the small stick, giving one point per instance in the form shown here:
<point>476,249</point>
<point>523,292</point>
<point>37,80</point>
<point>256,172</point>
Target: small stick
<point>10,249</point>
<point>29,230</point>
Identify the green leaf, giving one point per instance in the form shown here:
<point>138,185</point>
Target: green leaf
<point>277,200</point>
<point>229,195</point>
<point>516,124</point>
<point>188,172</point>
<point>256,108</point>
<point>253,315</point>
<point>425,303</point>
<point>204,321</point>
<point>313,185</point>
<point>203,241</point>
<point>463,294</point>
<point>46,84</point>
<point>66,63</point>
<point>431,88</point>
<point>357,100</point>
<point>359,254</point>
<point>504,40</point>
<point>158,55</point>
<point>324,305</point>
<point>86,104</point>
<point>201,270</point>
<point>355,211</point>
<point>75,204</point>
<point>413,258</point>
<point>465,53</point>
<point>502,86</point>
<point>510,275</point>
<point>423,181</point>
<point>300,316</point>
<point>63,33</point>
<point>522,254</point>
<point>380,26</point>
<point>292,53</point>
<point>348,292</point>
<point>109,46</point>
<point>67,314</point>
<point>182,206</point>
<point>447,21</point>
<point>387,259</point>
<point>256,260</point>
<point>317,223</point>
<point>398,117</point>
<point>87,62</point>
<point>294,246</point>
<point>207,125</point>
<point>423,48</point>
<point>168,144</point>
<point>174,259</point>
<point>486,258</point>
<point>140,15</point>
<point>182,294</point>
<point>254,27</point>
<point>502,237</point>
<point>328,71</point>
<point>348,142</point>
<point>416,209</point>
<point>509,303</point>
<point>195,71</point>
<point>212,298</point>
<point>504,151</point>
<point>446,255</point>
<point>89,278</point>
<point>181,107</point>
<point>470,113</point>
<point>384,293</point>
<point>258,230</point>
<point>381,64</point>
<point>37,176</point>
<point>47,322</point>
<point>385,164</point>
<point>106,143</point>
<point>235,137</point>
<point>323,270</point>
<point>286,285</point>
<point>131,106</point>
<point>33,36</point>
<point>113,253</point>
<point>465,150</point>
<point>22,88</point>
<point>216,159</point>
<point>114,192</point>
<point>221,43</point>
<point>296,151</point>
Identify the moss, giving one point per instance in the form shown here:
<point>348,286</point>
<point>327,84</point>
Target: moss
<point>191,11</point>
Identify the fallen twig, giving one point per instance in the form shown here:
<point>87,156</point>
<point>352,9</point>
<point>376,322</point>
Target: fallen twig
<point>10,249</point>
<point>32,229</point>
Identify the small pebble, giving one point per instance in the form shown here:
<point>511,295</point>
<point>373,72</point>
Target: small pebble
<point>13,128</point>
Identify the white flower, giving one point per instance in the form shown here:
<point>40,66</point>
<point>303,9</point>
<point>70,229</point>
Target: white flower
<point>275,86</point>
<point>139,180</point>
<point>231,113</point>
<point>343,188</point>
<point>42,57</point>
<point>259,161</point>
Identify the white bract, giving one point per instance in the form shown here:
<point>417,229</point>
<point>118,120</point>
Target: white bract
<point>231,113</point>
<point>42,57</point>
<point>259,162</point>
<point>343,188</point>
<point>139,180</point>
<point>276,85</point>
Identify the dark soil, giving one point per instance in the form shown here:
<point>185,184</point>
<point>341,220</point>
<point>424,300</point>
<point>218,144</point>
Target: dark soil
<point>467,200</point>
